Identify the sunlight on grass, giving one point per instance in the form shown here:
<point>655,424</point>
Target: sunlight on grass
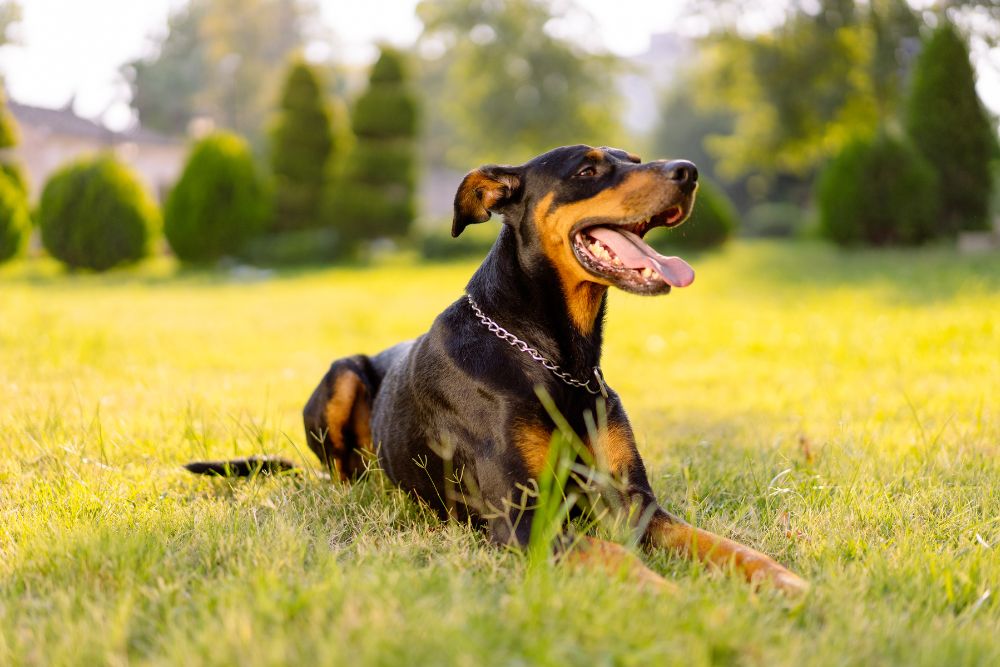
<point>837,410</point>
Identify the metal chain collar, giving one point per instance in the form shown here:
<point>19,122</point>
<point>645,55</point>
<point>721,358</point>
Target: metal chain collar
<point>519,344</point>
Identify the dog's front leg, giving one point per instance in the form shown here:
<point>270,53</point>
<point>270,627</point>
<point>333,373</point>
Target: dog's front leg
<point>613,559</point>
<point>512,526</point>
<point>669,532</point>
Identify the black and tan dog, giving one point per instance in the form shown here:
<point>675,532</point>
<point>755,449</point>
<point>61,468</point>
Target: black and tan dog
<point>460,404</point>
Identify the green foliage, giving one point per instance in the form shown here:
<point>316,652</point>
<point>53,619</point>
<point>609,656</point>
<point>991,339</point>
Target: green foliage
<point>375,195</point>
<point>8,127</point>
<point>219,58</point>
<point>773,220</point>
<point>302,146</point>
<point>165,88</point>
<point>95,214</point>
<point>878,191</point>
<point>9,138</point>
<point>949,126</point>
<point>15,223</point>
<point>219,202</point>
<point>801,91</point>
<point>383,112</point>
<point>713,220</point>
<point>507,88</point>
<point>15,173</point>
<point>995,197</point>
<point>684,125</point>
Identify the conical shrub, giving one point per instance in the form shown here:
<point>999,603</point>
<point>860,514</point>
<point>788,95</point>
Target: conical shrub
<point>950,127</point>
<point>375,195</point>
<point>303,140</point>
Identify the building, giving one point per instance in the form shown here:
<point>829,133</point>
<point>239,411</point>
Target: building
<point>49,138</point>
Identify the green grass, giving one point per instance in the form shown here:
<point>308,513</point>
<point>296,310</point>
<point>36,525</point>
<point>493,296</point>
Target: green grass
<point>839,411</point>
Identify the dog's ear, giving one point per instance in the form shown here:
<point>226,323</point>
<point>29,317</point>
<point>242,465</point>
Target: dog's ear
<point>484,190</point>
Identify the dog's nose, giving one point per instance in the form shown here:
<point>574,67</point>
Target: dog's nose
<point>682,172</point>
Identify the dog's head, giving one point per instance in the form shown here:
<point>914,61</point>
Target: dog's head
<point>585,210</point>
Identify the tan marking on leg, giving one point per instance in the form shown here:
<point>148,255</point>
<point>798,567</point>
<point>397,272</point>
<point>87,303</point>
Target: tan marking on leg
<point>722,552</point>
<point>340,414</point>
<point>615,560</point>
<point>533,442</point>
<point>361,422</point>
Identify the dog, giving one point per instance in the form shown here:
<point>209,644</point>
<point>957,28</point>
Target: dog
<point>456,417</point>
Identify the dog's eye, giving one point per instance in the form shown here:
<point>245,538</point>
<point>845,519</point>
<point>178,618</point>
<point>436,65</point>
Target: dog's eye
<point>586,172</point>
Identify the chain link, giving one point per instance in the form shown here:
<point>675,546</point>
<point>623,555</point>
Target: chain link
<point>519,344</point>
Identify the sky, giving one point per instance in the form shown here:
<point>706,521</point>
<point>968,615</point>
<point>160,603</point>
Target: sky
<point>73,49</point>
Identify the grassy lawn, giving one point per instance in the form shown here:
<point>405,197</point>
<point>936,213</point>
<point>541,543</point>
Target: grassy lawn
<point>840,411</point>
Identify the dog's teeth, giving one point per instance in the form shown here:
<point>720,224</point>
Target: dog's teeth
<point>647,272</point>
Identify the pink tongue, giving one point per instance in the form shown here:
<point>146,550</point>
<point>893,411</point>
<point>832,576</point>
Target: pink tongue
<point>635,254</point>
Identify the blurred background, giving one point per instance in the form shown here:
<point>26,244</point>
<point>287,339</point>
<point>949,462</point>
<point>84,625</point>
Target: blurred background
<point>303,131</point>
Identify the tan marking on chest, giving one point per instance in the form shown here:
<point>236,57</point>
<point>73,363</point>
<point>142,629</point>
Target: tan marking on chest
<point>583,297</point>
<point>616,449</point>
<point>533,443</point>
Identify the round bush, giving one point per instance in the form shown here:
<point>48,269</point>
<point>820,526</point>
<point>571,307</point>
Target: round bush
<point>878,191</point>
<point>219,202</point>
<point>94,214</point>
<point>15,224</point>
<point>712,222</point>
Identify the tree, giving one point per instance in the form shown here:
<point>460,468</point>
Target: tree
<point>375,195</point>
<point>222,59</point>
<point>683,128</point>
<point>513,89</point>
<point>800,90</point>
<point>166,86</point>
<point>303,141</point>
<point>948,124</point>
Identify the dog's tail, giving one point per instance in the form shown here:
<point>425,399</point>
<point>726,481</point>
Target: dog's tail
<point>245,467</point>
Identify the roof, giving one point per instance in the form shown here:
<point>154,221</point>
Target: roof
<point>64,121</point>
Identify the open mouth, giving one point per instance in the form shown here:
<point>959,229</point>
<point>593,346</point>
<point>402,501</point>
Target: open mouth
<point>615,251</point>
